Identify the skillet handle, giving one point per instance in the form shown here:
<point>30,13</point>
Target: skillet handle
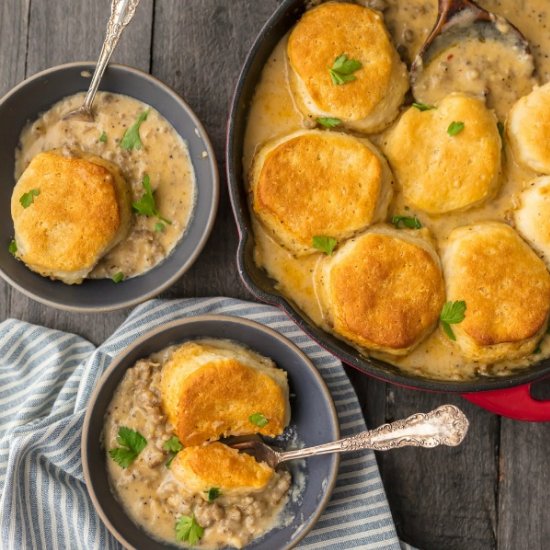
<point>516,403</point>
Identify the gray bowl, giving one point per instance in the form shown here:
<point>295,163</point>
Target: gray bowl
<point>313,415</point>
<point>37,94</point>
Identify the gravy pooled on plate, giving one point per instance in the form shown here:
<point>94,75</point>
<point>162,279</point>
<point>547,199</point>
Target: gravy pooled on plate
<point>179,484</point>
<point>159,157</point>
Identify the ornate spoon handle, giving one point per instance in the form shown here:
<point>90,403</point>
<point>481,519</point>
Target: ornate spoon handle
<point>122,12</point>
<point>445,425</point>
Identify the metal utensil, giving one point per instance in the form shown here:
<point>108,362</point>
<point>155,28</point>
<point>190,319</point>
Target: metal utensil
<point>122,12</point>
<point>446,425</point>
<point>458,19</point>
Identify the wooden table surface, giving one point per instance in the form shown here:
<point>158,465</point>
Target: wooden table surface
<point>489,493</point>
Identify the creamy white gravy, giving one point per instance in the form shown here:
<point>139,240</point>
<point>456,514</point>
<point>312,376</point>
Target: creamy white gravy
<point>154,498</point>
<point>273,114</point>
<point>163,156</point>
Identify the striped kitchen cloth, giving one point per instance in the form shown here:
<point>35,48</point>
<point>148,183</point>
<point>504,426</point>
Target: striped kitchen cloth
<point>46,378</point>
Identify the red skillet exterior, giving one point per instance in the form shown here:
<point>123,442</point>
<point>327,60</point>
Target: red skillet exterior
<point>515,401</point>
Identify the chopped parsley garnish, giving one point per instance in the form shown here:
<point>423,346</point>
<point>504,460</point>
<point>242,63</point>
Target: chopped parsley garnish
<point>423,106</point>
<point>537,350</point>
<point>159,227</point>
<point>12,248</point>
<point>131,139</point>
<point>118,277</point>
<point>455,128</point>
<point>146,206</point>
<point>173,446</point>
<point>411,222</point>
<point>131,444</point>
<point>188,530</point>
<point>103,137</point>
<point>28,198</point>
<point>343,68</point>
<point>329,122</point>
<point>212,494</point>
<point>452,314</point>
<point>258,419</point>
<point>325,244</point>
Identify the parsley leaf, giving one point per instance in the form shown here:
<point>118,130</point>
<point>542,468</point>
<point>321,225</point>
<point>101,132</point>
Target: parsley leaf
<point>407,221</point>
<point>159,227</point>
<point>12,248</point>
<point>188,530</point>
<point>329,122</point>
<point>452,314</point>
<point>131,139</point>
<point>131,444</point>
<point>173,446</point>
<point>343,68</point>
<point>146,206</point>
<point>103,137</point>
<point>455,128</point>
<point>118,277</point>
<point>324,244</point>
<point>423,106</point>
<point>258,419</point>
<point>27,199</point>
<point>213,493</point>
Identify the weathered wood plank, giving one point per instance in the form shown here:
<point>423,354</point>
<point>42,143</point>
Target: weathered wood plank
<point>208,41</point>
<point>443,497</point>
<point>524,480</point>
<point>69,30</point>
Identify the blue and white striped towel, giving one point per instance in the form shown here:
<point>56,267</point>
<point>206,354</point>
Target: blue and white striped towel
<point>46,378</point>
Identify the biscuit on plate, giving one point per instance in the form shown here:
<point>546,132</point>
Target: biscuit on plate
<point>216,465</point>
<point>532,218</point>
<point>439,172</point>
<point>368,102</point>
<point>382,290</point>
<point>68,212</point>
<point>211,390</point>
<point>506,287</point>
<point>528,129</point>
<point>317,183</point>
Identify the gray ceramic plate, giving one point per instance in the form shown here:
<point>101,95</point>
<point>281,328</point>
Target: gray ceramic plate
<point>313,416</point>
<point>33,96</point>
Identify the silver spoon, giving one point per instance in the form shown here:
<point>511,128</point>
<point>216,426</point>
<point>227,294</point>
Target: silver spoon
<point>458,19</point>
<point>122,12</point>
<point>446,425</point>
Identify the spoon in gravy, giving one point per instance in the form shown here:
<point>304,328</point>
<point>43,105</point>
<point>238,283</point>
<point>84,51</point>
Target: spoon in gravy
<point>122,12</point>
<point>473,50</point>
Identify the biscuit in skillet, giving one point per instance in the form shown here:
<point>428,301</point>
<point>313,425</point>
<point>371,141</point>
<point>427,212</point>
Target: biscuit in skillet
<point>371,101</point>
<point>318,183</point>
<point>506,287</point>
<point>438,172</point>
<point>528,129</point>
<point>532,217</point>
<point>217,465</point>
<point>209,391</point>
<point>80,211</point>
<point>382,290</point>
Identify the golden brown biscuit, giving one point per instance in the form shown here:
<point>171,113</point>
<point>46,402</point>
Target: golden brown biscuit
<point>533,216</point>
<point>382,290</point>
<point>506,287</point>
<point>210,389</point>
<point>372,100</point>
<point>314,183</point>
<point>441,173</point>
<point>217,465</point>
<point>528,130</point>
<point>80,209</point>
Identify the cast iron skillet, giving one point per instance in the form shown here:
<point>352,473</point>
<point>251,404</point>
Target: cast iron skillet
<point>264,289</point>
